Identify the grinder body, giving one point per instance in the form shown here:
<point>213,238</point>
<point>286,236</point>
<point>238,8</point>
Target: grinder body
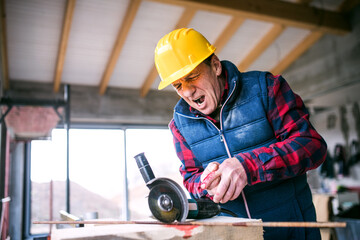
<point>167,200</point>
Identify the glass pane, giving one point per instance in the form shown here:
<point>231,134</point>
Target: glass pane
<point>48,167</point>
<point>96,175</point>
<point>96,172</point>
<point>157,144</point>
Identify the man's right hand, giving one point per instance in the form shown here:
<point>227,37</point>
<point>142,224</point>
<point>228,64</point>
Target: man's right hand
<point>209,179</point>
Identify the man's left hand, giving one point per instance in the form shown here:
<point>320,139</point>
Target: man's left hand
<point>233,180</point>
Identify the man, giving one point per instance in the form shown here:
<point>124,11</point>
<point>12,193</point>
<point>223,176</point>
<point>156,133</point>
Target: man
<point>244,139</point>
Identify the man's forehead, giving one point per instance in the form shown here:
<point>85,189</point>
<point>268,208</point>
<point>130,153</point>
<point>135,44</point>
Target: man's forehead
<point>194,72</point>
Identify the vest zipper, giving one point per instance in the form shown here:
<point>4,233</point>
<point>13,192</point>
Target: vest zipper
<point>222,139</point>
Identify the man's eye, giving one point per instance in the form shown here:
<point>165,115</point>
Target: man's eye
<point>177,86</point>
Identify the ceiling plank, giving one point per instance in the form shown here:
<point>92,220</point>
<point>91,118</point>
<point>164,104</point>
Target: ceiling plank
<point>310,40</point>
<point>264,43</point>
<point>228,32</point>
<point>119,43</point>
<point>70,6</point>
<point>184,21</point>
<point>280,12</point>
<point>4,55</point>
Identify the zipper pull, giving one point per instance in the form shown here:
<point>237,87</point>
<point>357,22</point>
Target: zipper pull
<point>221,136</point>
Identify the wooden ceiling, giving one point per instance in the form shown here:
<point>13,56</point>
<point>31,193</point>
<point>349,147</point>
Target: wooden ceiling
<point>108,43</point>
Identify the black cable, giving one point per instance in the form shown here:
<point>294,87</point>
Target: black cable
<point>228,212</point>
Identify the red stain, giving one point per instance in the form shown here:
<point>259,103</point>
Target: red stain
<point>209,176</point>
<point>187,229</point>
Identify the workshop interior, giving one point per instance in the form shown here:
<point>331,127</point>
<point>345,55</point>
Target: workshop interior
<point>84,128</point>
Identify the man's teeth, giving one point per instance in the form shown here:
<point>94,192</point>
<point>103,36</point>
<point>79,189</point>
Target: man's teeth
<point>199,101</point>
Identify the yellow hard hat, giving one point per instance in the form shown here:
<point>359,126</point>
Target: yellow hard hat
<point>178,53</point>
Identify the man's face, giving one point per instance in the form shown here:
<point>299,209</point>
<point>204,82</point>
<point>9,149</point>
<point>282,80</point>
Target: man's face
<point>202,88</point>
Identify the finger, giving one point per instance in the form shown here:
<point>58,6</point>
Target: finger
<point>221,190</point>
<point>229,193</point>
<point>236,193</point>
<point>214,183</point>
<point>211,167</point>
<point>212,179</point>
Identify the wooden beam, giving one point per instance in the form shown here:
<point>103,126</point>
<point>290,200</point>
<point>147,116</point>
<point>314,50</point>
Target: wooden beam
<point>4,55</point>
<point>312,38</point>
<point>148,82</point>
<point>280,12</point>
<point>184,21</point>
<point>119,43</point>
<point>306,2</point>
<point>70,6</point>
<point>228,32</point>
<point>264,43</point>
<point>348,5</point>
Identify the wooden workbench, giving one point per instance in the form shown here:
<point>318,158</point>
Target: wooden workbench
<point>160,231</point>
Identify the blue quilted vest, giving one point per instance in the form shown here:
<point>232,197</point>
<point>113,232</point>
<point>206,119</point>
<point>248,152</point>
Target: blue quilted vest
<point>243,127</point>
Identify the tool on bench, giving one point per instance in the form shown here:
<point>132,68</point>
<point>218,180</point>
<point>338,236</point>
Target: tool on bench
<point>167,200</point>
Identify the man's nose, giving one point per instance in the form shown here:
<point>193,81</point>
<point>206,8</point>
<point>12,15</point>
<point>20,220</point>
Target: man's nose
<point>188,89</point>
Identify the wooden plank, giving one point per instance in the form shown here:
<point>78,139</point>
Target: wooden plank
<point>119,43</point>
<point>163,231</point>
<point>280,12</point>
<point>4,55</point>
<point>148,82</point>
<point>264,43</point>
<point>227,33</point>
<point>310,40</point>
<point>70,6</point>
<point>208,223</point>
<point>184,21</point>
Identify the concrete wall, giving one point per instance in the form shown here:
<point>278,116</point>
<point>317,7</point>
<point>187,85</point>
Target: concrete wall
<point>331,65</point>
<point>118,106</point>
<point>334,133</point>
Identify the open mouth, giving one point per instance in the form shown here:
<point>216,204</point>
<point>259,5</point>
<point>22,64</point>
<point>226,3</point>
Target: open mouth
<point>199,101</point>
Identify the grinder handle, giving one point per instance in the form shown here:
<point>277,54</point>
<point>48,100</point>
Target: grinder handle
<point>144,167</point>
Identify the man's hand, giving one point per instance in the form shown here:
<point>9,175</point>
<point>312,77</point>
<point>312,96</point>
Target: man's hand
<point>227,182</point>
<point>208,179</point>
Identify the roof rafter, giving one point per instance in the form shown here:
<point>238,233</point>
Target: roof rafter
<point>228,32</point>
<point>264,43</point>
<point>119,43</point>
<point>310,40</point>
<point>297,51</point>
<point>4,56</point>
<point>70,6</point>
<point>280,12</point>
<point>184,21</point>
<point>347,5</point>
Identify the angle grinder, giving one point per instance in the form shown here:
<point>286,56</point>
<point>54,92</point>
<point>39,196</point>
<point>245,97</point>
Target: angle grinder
<point>167,200</point>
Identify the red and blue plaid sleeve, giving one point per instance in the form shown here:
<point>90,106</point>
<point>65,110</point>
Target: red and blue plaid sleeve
<point>190,169</point>
<point>299,147</point>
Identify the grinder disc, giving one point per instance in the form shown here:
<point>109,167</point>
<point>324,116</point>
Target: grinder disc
<point>167,201</point>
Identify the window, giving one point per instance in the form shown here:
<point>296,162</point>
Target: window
<point>97,173</point>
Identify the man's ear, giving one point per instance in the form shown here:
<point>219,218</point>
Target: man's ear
<point>217,65</point>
